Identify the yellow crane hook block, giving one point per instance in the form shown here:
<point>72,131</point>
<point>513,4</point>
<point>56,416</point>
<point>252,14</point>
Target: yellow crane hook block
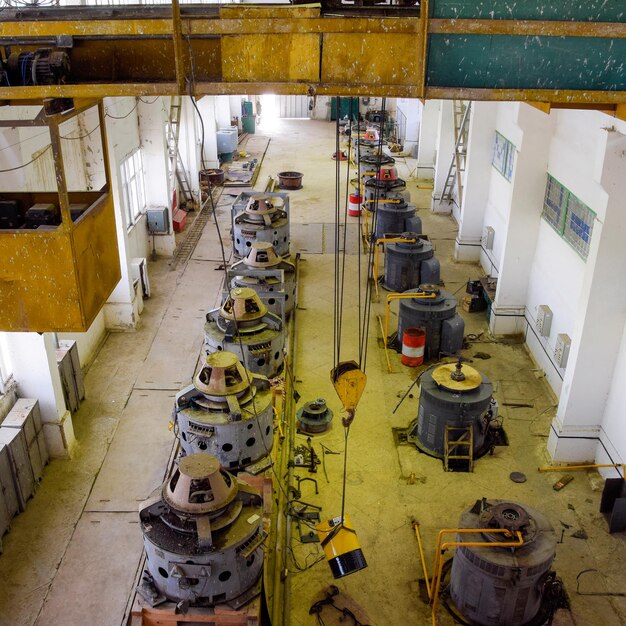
<point>349,382</point>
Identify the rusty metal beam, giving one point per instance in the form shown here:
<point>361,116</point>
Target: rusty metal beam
<point>553,96</point>
<point>288,50</point>
<point>178,46</point>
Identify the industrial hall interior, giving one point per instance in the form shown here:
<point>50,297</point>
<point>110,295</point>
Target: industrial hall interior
<point>312,314</point>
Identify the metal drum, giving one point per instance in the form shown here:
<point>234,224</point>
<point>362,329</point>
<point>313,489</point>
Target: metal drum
<point>395,215</point>
<point>492,586</point>
<point>264,218</point>
<point>408,265</point>
<point>203,536</point>
<point>226,412</point>
<point>243,325</point>
<point>435,311</point>
<point>453,396</point>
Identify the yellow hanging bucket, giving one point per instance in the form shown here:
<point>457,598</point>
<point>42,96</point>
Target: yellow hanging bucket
<point>341,546</point>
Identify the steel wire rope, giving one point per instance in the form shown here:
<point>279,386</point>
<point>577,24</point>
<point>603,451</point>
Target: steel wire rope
<point>371,251</point>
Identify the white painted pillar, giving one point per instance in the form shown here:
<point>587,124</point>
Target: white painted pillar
<point>478,171</point>
<point>599,326</point>
<point>222,111</point>
<point>152,119</point>
<point>207,110</point>
<point>528,186</point>
<point>121,311</point>
<point>411,108</point>
<point>189,145</point>
<point>32,359</point>
<point>445,151</point>
<point>427,146</point>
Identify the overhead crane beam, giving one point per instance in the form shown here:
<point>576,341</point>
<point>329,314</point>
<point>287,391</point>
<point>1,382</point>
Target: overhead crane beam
<point>562,53</point>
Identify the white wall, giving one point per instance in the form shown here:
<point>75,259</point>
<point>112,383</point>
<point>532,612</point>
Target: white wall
<point>122,309</point>
<point>571,147</point>
<point>411,108</point>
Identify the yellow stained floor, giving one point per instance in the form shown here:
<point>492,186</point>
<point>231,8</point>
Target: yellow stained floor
<point>71,558</point>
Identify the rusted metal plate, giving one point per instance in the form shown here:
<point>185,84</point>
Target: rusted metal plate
<point>58,280</point>
<point>259,58</point>
<point>378,59</point>
<point>38,289</point>
<point>96,252</point>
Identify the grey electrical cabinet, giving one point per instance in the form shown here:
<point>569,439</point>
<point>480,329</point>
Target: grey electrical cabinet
<point>158,220</point>
<point>8,497</point>
<point>23,479</point>
<point>25,416</point>
<point>71,374</point>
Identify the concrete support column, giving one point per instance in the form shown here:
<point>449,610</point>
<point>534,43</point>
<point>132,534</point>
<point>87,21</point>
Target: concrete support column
<point>32,359</point>
<point>478,171</point>
<point>445,151</point>
<point>597,334</point>
<point>527,191</point>
<point>189,145</point>
<point>122,309</point>
<point>427,146</point>
<point>154,149</point>
<point>206,107</point>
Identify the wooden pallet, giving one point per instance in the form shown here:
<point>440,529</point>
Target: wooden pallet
<point>142,614</point>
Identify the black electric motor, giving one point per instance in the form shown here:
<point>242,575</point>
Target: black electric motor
<point>45,66</point>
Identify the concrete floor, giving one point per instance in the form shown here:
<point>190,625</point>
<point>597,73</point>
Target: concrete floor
<point>70,559</point>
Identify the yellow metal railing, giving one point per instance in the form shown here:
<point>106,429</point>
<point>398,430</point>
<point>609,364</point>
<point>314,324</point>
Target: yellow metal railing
<point>381,242</point>
<point>433,588</point>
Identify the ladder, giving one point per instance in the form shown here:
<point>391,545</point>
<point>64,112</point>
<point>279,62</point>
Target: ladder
<point>177,169</point>
<point>459,437</point>
<point>454,178</point>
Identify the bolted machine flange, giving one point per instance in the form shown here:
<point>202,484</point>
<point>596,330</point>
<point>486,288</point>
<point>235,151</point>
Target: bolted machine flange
<point>226,412</point>
<point>203,536</point>
<point>314,417</point>
<point>264,218</point>
<point>262,271</point>
<point>244,325</point>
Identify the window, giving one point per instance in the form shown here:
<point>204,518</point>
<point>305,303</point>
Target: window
<point>503,156</point>
<point>569,217</point>
<point>133,187</point>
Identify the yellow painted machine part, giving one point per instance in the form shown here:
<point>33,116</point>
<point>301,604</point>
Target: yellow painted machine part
<point>344,540</point>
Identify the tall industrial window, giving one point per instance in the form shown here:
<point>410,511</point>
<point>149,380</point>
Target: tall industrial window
<point>503,156</point>
<point>572,219</point>
<point>133,189</point>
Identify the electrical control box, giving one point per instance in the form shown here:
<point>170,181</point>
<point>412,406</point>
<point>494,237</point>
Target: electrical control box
<point>543,323</point>
<point>561,351</point>
<point>158,220</point>
<point>10,214</point>
<point>487,238</point>
<point>42,214</point>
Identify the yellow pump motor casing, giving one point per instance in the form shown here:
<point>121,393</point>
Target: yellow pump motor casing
<point>341,546</point>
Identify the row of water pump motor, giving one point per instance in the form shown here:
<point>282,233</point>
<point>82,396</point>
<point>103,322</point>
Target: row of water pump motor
<point>410,262</point>
<point>204,532</point>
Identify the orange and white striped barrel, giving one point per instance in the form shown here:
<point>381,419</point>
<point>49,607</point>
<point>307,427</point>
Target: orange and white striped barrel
<point>413,343</point>
<point>354,204</point>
